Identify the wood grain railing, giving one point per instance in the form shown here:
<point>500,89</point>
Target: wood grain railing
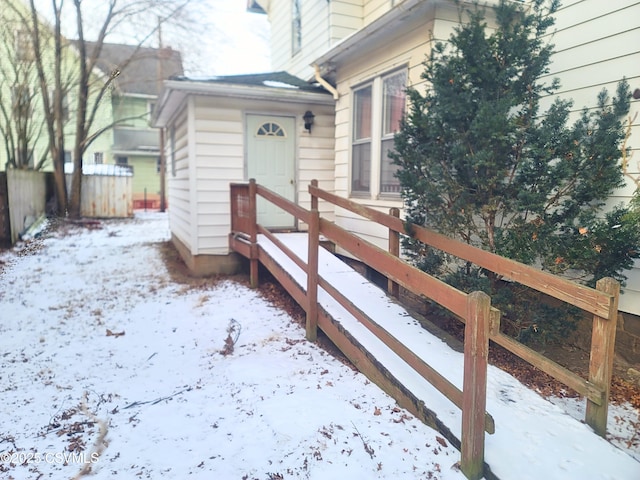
<point>482,322</point>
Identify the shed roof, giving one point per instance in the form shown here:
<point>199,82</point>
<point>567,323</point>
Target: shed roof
<point>274,86</point>
<point>280,79</point>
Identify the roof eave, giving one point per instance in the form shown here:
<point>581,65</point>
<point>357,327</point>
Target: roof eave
<point>175,92</point>
<point>381,28</point>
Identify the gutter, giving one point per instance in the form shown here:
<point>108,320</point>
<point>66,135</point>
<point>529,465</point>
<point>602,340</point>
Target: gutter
<point>324,83</point>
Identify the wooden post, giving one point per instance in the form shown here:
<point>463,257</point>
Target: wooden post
<point>312,276</point>
<point>253,234</point>
<point>314,199</point>
<point>394,249</point>
<point>474,393</point>
<point>603,339</point>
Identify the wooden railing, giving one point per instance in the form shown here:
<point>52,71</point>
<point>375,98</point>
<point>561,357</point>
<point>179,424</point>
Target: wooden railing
<point>482,322</point>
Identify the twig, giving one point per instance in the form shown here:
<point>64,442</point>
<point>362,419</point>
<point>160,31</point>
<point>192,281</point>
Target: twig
<point>367,447</point>
<point>99,445</point>
<point>233,333</point>
<point>157,400</point>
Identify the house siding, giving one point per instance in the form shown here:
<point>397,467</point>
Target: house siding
<point>406,49</point>
<point>315,35</point>
<point>219,160</point>
<point>374,9</point>
<point>596,45</point>
<point>345,17</point>
<point>178,181</point>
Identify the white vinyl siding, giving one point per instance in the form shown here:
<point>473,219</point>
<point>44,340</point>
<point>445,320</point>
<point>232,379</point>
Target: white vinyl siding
<point>315,35</point>
<point>596,45</point>
<point>178,184</point>
<point>345,17</point>
<point>219,159</point>
<point>373,9</point>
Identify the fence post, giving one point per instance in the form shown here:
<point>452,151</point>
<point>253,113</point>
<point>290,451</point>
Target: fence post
<point>394,249</point>
<point>474,392</point>
<point>312,275</point>
<point>253,234</point>
<point>314,199</point>
<point>603,339</point>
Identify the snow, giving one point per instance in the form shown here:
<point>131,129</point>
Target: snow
<point>93,313</point>
<point>101,169</point>
<point>276,84</point>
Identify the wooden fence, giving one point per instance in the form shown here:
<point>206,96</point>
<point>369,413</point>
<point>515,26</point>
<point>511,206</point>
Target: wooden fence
<point>27,191</point>
<point>5,222</point>
<point>482,322</point>
<point>106,195</point>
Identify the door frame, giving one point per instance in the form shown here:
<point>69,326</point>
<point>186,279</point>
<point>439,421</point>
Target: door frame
<point>247,137</point>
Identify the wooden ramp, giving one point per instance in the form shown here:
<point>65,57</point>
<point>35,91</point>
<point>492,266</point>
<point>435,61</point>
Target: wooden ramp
<point>536,436</point>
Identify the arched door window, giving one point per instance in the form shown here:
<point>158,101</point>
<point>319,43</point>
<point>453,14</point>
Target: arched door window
<point>270,129</point>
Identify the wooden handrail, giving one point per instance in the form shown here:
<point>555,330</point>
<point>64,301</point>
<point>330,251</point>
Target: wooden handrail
<point>585,298</point>
<point>600,303</point>
<point>284,203</point>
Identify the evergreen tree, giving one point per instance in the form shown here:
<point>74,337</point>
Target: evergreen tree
<point>479,161</point>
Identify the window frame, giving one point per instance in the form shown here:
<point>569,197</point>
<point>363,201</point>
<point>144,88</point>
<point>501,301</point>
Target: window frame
<point>360,142</point>
<point>377,138</point>
<point>385,135</point>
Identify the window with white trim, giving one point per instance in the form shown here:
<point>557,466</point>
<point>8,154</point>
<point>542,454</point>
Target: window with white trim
<point>361,149</point>
<point>378,108</point>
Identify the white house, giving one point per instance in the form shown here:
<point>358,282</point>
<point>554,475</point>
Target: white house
<point>363,52</point>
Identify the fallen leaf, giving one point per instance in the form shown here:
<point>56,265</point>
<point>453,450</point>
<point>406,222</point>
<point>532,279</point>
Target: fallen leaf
<point>377,411</point>
<point>114,334</point>
<point>441,441</point>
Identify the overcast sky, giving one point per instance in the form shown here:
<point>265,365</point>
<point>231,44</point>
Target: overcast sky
<point>235,41</point>
<point>225,39</point>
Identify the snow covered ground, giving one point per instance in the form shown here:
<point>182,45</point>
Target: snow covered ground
<point>106,360</point>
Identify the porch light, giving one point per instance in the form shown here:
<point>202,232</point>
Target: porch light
<point>308,120</point>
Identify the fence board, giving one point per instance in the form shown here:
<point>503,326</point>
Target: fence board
<point>106,196</point>
<point>5,223</point>
<point>26,193</point>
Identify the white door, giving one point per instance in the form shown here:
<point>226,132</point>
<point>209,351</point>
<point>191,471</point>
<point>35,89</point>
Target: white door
<point>271,161</point>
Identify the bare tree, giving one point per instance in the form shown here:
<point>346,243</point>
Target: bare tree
<point>75,70</point>
<point>19,127</point>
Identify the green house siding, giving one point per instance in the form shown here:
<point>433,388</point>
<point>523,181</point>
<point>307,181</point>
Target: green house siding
<point>146,178</point>
<point>145,175</point>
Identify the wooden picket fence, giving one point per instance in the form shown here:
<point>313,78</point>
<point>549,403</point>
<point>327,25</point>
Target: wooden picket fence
<point>482,322</point>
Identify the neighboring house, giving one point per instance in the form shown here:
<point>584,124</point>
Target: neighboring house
<point>21,99</point>
<point>141,71</point>
<point>364,52</point>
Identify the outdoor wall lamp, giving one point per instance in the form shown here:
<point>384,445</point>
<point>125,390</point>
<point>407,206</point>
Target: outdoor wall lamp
<point>308,120</point>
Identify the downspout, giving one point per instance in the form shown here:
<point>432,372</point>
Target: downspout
<point>324,83</point>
